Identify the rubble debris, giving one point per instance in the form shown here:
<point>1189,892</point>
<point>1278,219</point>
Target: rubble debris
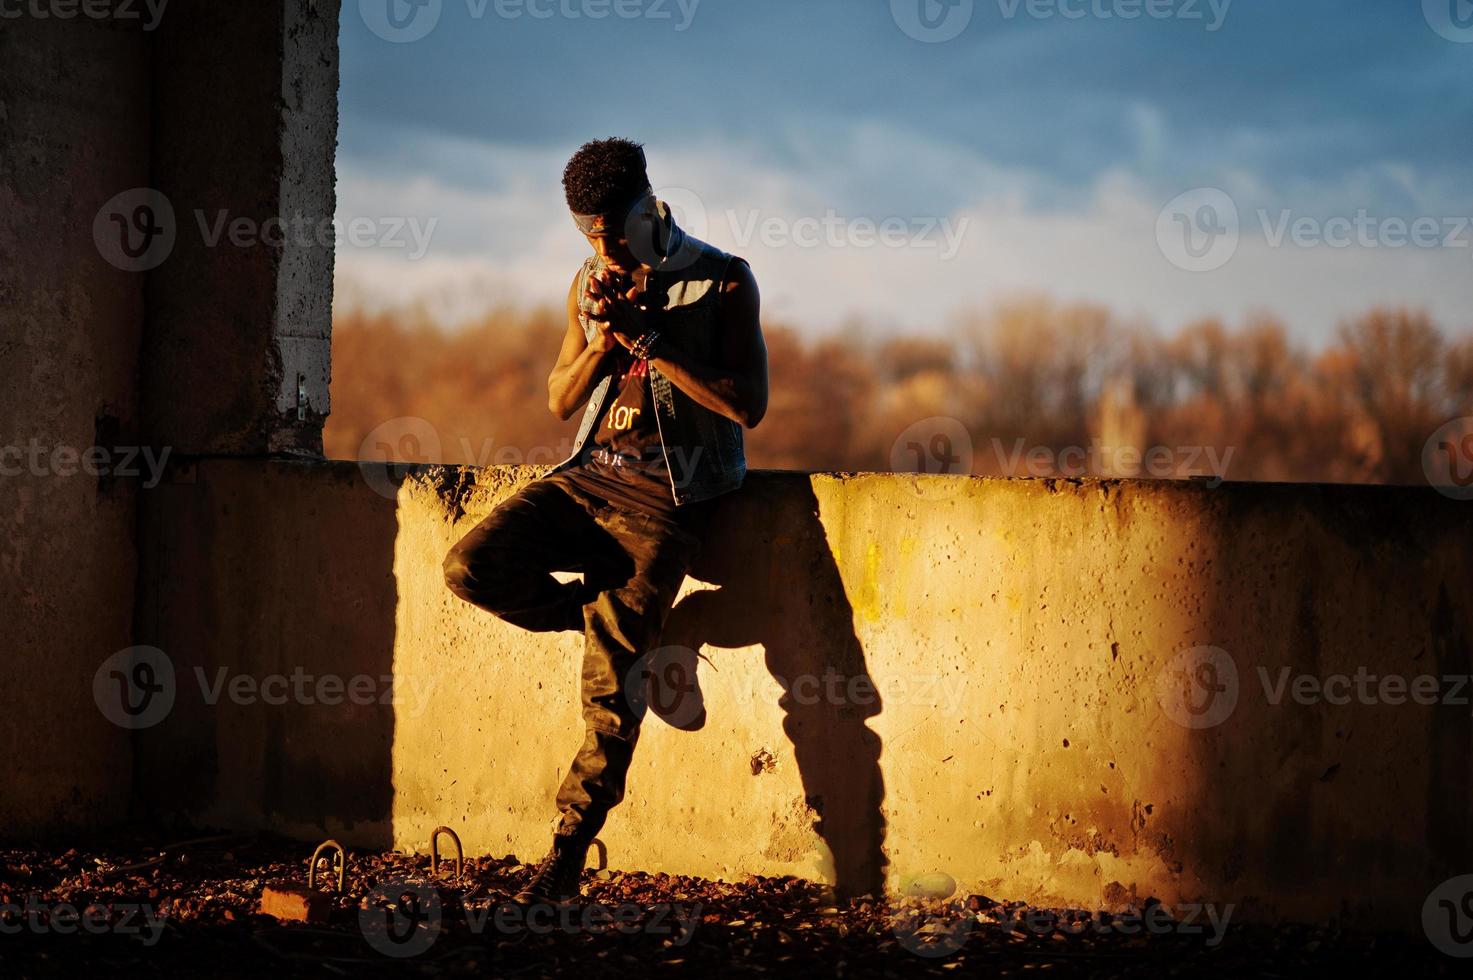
<point>293,903</point>
<point>201,915</point>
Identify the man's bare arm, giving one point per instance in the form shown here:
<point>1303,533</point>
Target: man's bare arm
<point>579,363</point>
<point>737,389</point>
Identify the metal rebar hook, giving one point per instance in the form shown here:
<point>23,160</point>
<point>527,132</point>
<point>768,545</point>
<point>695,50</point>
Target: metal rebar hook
<point>435,851</point>
<point>342,865</point>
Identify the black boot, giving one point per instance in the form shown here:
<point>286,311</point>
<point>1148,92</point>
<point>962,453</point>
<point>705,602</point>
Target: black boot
<point>556,878</point>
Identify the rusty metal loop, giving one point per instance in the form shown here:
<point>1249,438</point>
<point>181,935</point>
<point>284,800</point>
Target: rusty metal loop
<point>435,851</point>
<point>603,854</point>
<point>342,865</point>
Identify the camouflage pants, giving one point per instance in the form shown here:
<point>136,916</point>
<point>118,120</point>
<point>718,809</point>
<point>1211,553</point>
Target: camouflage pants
<point>632,564</point>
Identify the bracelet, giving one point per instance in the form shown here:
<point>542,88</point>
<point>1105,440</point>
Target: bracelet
<point>645,345</point>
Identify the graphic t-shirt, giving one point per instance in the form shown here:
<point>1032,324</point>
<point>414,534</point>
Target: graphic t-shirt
<point>624,461</point>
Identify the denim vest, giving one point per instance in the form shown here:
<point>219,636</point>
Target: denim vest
<point>703,450</point>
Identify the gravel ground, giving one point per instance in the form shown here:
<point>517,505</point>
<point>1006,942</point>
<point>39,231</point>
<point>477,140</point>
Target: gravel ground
<point>130,907</point>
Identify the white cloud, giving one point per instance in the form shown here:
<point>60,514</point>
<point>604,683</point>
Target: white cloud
<point>503,235</point>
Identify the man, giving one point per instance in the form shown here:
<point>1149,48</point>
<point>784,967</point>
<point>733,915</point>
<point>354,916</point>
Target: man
<point>664,345</point>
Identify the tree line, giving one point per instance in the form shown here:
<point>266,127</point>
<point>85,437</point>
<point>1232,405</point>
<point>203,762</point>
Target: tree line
<point>1029,387</point>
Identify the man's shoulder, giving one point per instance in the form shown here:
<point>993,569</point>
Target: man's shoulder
<point>720,264</point>
<point>706,261</point>
<point>739,272</point>
<point>704,250</point>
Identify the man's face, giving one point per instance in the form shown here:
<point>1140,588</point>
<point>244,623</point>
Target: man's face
<point>614,252</point>
<point>629,244</point>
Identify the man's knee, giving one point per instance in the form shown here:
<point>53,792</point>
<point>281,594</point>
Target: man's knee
<point>471,576</point>
<point>457,573</point>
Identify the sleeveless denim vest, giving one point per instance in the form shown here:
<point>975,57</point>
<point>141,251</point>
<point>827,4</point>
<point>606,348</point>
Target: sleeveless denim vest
<point>703,450</point>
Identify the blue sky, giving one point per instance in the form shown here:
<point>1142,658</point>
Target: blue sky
<point>1033,151</point>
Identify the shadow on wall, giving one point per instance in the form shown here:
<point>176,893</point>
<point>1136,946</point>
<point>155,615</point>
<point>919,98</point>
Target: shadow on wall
<point>279,622</point>
<point>245,594</point>
<point>1293,809</point>
<point>780,587</point>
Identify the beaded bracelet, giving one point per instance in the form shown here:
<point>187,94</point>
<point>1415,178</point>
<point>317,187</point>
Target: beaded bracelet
<point>645,345</point>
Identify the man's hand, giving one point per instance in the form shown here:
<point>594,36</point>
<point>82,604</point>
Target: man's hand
<point>604,338</point>
<point>613,304</point>
<point>615,307</point>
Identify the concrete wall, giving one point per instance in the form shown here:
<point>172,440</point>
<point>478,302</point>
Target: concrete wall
<point>1026,639</point>
<point>125,326</point>
<point>1033,644</point>
<point>73,133</point>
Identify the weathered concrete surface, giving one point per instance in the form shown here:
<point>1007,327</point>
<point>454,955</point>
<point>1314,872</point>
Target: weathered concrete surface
<point>224,111</point>
<point>255,570</point>
<point>1017,632</point>
<point>244,134</point>
<point>73,132</point>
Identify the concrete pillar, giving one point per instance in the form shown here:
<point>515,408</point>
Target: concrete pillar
<point>73,133</point>
<point>166,190</point>
<point>235,358</point>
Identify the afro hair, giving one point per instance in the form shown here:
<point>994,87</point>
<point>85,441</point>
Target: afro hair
<point>605,175</point>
